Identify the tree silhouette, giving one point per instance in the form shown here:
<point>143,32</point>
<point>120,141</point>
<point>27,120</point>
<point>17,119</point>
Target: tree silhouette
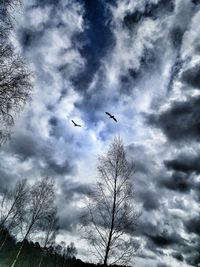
<point>68,253</point>
<point>15,78</point>
<point>12,204</point>
<point>50,230</point>
<point>110,217</point>
<point>40,207</point>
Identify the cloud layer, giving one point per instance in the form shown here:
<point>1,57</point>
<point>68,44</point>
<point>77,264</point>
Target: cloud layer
<point>139,60</point>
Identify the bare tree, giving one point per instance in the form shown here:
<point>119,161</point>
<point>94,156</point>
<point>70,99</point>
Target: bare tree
<point>12,203</point>
<point>15,78</point>
<point>41,205</point>
<point>50,229</point>
<point>10,3</point>
<point>110,216</point>
<point>7,7</point>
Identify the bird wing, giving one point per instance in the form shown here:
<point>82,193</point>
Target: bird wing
<point>75,124</point>
<point>108,114</point>
<point>114,119</point>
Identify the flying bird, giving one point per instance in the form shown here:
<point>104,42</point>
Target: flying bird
<point>111,116</point>
<point>75,124</point>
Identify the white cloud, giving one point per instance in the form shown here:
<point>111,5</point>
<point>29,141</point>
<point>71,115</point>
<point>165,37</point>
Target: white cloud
<point>56,97</point>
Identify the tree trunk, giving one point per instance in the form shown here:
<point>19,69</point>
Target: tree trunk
<point>3,243</point>
<point>40,263</point>
<point>18,254</point>
<point>112,222</point>
<point>21,247</point>
<point>108,247</point>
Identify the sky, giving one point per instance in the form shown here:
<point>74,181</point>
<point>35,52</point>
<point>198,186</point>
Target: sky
<point>139,60</point>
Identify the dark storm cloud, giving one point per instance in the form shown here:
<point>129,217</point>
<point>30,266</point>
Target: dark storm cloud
<point>56,127</point>
<point>150,10</point>
<point>181,122</point>
<point>176,35</point>
<point>197,189</point>
<point>150,200</point>
<point>139,156</point>
<point>30,37</point>
<point>53,121</point>
<point>72,190</point>
<point>192,252</point>
<point>69,219</point>
<point>192,77</point>
<point>163,240</point>
<point>177,256</point>
<point>160,235</point>
<point>178,181</point>
<point>28,147</point>
<point>6,180</point>
<point>184,163</point>
<point>194,259</point>
<point>25,147</point>
<point>192,225</point>
<point>163,265</point>
<point>196,2</point>
<point>60,169</point>
<point>175,70</point>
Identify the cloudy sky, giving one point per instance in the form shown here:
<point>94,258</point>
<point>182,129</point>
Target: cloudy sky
<point>137,59</point>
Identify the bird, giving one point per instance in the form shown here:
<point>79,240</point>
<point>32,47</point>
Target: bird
<point>75,124</point>
<point>111,116</point>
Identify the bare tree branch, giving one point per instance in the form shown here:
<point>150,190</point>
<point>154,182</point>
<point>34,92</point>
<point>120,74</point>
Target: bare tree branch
<point>12,205</point>
<point>40,207</point>
<point>49,229</point>
<point>15,78</point>
<point>110,216</point>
